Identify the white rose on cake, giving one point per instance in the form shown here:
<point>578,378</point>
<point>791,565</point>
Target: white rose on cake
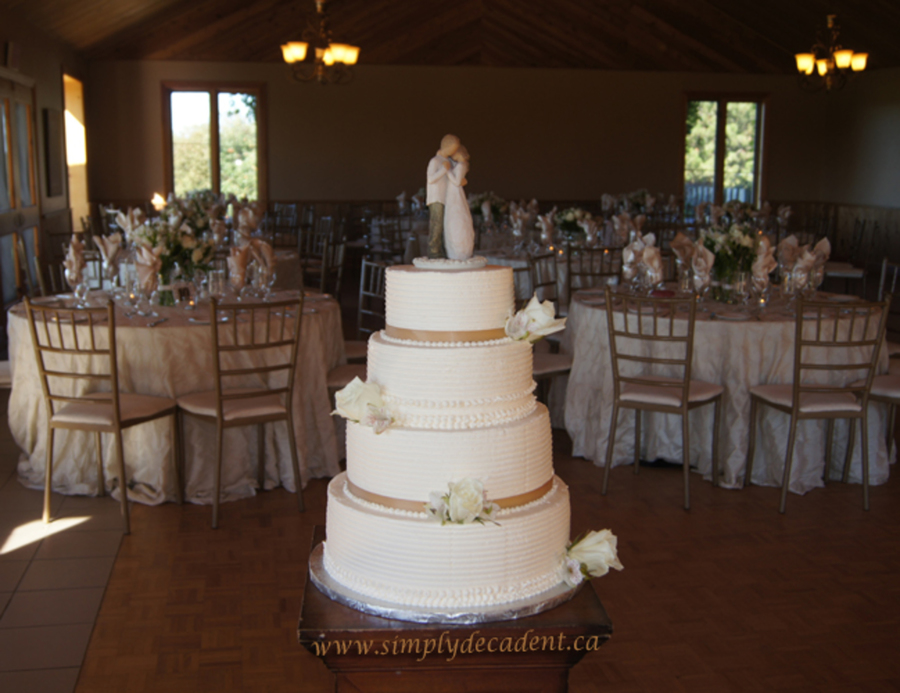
<point>534,321</point>
<point>362,403</point>
<point>595,553</point>
<point>464,503</point>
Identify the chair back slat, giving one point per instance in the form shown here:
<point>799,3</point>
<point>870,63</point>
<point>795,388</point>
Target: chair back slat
<point>253,341</point>
<point>371,311</point>
<point>652,331</point>
<point>544,277</point>
<point>75,357</point>
<point>591,266</point>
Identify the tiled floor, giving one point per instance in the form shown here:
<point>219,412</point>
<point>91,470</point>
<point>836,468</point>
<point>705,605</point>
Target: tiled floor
<point>51,585</point>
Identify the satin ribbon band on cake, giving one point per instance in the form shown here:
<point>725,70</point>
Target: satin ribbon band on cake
<point>416,506</point>
<point>444,335</point>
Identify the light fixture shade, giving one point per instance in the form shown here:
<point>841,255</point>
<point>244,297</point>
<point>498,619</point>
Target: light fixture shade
<point>328,56</point>
<point>345,53</point>
<point>158,202</point>
<point>294,51</point>
<point>842,59</point>
<point>858,62</point>
<point>822,66</point>
<point>805,62</point>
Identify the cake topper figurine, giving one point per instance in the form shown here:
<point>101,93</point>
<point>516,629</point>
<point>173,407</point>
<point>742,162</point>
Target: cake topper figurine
<point>450,230</point>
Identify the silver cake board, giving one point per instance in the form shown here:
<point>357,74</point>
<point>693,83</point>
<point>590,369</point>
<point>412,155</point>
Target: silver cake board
<point>510,611</point>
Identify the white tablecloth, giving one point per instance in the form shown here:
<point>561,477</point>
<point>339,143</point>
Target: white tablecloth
<point>175,359</point>
<point>736,355</point>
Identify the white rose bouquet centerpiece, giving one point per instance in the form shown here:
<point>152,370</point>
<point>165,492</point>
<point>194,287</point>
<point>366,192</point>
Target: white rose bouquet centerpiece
<point>735,251</point>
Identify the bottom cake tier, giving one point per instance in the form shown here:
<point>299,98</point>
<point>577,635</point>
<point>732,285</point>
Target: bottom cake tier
<point>407,558</point>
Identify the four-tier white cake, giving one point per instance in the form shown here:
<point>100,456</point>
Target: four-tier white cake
<point>461,395</point>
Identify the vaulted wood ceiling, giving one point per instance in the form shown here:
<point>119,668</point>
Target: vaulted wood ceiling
<point>682,35</point>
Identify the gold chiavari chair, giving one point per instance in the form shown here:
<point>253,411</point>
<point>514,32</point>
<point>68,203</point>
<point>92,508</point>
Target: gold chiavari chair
<point>67,350</point>
<point>255,360</point>
<point>831,343</point>
<point>370,311</point>
<point>589,267</point>
<point>659,334</point>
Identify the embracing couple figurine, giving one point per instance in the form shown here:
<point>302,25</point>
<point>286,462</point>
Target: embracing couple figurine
<point>450,231</point>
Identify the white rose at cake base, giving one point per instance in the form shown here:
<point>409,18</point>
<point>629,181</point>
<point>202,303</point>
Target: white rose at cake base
<point>449,504</point>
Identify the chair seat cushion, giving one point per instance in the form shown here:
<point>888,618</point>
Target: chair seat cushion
<point>887,386</point>
<point>810,402</point>
<point>546,364</point>
<point>97,409</point>
<point>204,404</point>
<point>342,375</point>
<point>698,391</point>
<point>356,349</point>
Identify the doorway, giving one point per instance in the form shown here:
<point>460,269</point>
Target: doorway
<point>76,152</point>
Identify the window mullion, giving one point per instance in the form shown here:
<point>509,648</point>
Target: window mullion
<point>721,112</point>
<point>214,140</point>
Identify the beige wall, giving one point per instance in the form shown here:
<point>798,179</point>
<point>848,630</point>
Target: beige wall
<point>552,134</point>
<point>863,142</point>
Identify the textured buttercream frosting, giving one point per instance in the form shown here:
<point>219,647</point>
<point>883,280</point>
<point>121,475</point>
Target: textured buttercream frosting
<point>453,387</point>
<point>413,560</point>
<point>510,459</point>
<point>460,301</point>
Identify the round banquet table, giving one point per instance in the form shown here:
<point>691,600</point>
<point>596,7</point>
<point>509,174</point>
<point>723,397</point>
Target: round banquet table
<point>174,359</point>
<point>737,354</point>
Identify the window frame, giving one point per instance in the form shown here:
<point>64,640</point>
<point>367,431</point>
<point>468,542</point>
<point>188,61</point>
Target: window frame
<point>760,157</point>
<point>214,89</point>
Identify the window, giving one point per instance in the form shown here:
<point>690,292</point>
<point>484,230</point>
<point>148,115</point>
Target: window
<point>214,139</point>
<point>722,151</point>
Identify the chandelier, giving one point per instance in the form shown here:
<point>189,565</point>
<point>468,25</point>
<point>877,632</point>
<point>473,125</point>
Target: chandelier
<point>827,64</point>
<point>331,63</point>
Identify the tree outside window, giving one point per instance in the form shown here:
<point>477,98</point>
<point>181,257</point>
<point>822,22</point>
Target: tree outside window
<point>722,151</point>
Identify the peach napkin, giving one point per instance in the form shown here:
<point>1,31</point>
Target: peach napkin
<point>788,251</point>
<point>74,262</point>
<point>702,264</point>
<point>238,259</point>
<point>147,266</point>
<point>683,247</point>
<point>652,260</point>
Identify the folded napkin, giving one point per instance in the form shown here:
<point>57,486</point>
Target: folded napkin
<point>607,202</point>
<point>247,224</point>
<point>131,221</point>
<point>764,246</point>
<point>822,251</point>
<point>219,231</point>
<point>109,251</point>
<point>702,263</point>
<point>74,262</point>
<point>238,259</point>
<point>784,215</point>
<point>764,265</point>
<point>147,266</point>
<point>652,260</point>
<point>534,207</point>
<point>633,255</point>
<point>788,251</point>
<point>683,247</point>
<point>622,228</point>
<point>649,203</point>
<point>699,213</point>
<point>486,212</point>
<point>639,222</point>
<point>715,214</point>
<point>262,252</point>
<point>401,201</point>
<point>802,267</point>
<point>418,202</point>
<point>548,228</point>
<point>589,226</point>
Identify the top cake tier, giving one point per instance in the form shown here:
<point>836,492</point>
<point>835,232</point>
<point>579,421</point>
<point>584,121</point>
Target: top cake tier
<point>448,305</point>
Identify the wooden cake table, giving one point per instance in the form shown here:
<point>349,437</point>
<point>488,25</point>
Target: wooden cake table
<point>367,653</point>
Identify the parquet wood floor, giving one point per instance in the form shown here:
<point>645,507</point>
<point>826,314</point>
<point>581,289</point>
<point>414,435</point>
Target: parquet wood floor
<point>729,597</point>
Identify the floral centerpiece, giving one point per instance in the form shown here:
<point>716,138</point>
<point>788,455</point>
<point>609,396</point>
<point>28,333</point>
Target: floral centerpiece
<point>499,206</point>
<point>568,220</point>
<point>735,251</point>
<point>196,208</point>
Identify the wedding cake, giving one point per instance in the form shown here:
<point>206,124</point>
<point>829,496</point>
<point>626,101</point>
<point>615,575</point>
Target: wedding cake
<point>449,500</point>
